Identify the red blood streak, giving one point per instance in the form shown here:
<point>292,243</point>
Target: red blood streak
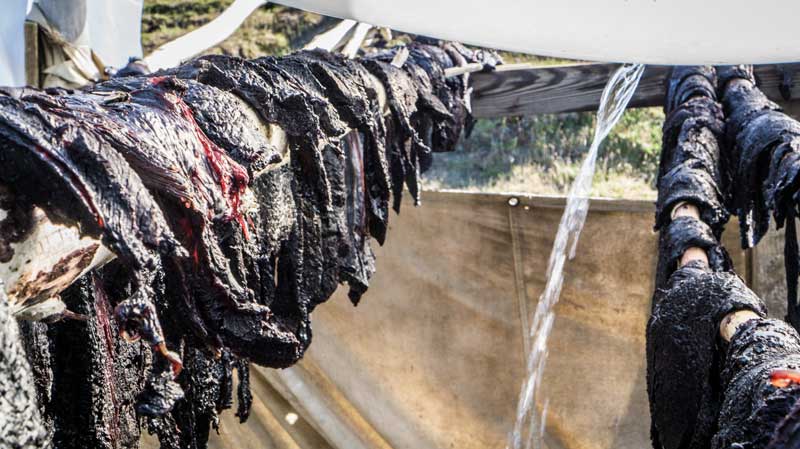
<point>188,234</point>
<point>103,321</point>
<point>782,378</point>
<point>156,80</point>
<point>232,177</point>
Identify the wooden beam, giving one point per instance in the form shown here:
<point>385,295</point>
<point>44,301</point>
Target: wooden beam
<point>522,89</point>
<point>32,53</point>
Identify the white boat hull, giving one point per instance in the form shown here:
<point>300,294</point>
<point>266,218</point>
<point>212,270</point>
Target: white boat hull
<point>646,31</point>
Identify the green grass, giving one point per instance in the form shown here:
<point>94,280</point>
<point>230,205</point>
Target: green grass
<point>535,154</point>
<point>541,154</point>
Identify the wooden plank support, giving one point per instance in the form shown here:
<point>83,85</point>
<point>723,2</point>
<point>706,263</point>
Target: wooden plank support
<point>32,53</point>
<point>522,89</point>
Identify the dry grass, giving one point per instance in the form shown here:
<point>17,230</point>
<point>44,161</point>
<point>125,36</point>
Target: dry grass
<point>554,180</point>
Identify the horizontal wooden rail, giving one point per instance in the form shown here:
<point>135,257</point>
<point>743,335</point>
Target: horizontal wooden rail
<point>522,89</point>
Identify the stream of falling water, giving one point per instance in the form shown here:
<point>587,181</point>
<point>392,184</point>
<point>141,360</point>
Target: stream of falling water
<point>615,98</point>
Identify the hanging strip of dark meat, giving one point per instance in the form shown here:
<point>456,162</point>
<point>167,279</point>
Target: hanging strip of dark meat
<point>95,374</point>
<point>690,301</point>
<point>691,168</point>
<point>766,164</point>
<point>705,392</point>
<point>21,423</point>
<point>226,244</point>
<point>759,396</point>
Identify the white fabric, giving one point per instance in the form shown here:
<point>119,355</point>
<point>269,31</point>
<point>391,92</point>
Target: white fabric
<point>645,31</point>
<point>354,44</point>
<point>197,41</point>
<point>12,42</point>
<point>114,30</point>
<point>330,39</point>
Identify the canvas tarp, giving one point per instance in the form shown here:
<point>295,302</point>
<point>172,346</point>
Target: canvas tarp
<point>74,48</point>
<point>433,356</point>
<point>12,42</point>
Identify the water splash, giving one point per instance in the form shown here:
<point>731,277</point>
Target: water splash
<point>615,98</point>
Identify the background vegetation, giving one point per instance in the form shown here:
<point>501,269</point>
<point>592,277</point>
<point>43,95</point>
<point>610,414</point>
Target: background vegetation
<point>534,154</point>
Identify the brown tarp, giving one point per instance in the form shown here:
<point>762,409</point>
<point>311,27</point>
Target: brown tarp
<point>433,357</point>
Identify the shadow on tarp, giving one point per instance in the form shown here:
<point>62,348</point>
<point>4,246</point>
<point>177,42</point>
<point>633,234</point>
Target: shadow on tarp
<point>434,355</point>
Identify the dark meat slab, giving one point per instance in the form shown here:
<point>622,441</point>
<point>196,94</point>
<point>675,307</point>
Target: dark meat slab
<point>754,407</point>
<point>54,154</point>
<point>692,170</point>
<point>766,164</point>
<point>21,423</point>
<point>704,392</point>
<point>682,353</point>
<point>96,374</point>
<point>691,167</point>
<point>226,243</point>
